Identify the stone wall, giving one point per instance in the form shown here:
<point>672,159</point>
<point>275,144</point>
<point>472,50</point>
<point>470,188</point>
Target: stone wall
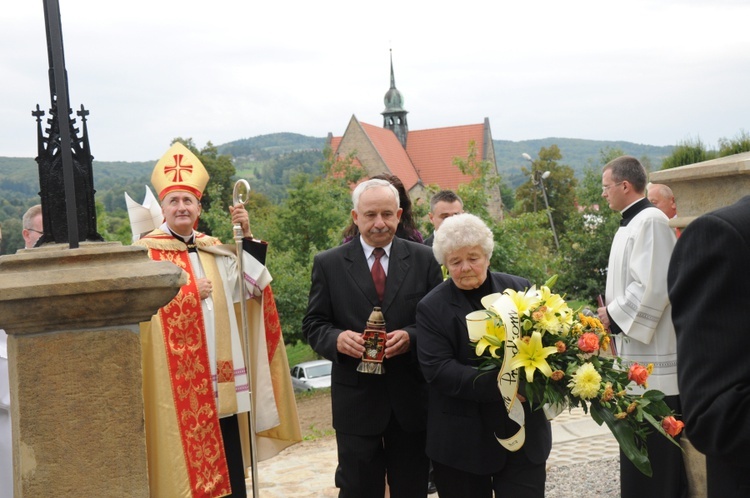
<point>703,187</point>
<point>74,362</point>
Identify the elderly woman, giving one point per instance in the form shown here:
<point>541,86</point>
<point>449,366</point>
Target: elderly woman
<point>466,412</point>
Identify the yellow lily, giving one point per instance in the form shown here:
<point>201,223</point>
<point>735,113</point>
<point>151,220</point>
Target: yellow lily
<point>486,330</point>
<point>557,317</point>
<point>524,301</point>
<point>532,356</point>
<point>494,342</point>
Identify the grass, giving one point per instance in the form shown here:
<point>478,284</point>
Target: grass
<point>314,408</point>
<point>317,434</point>
<point>323,391</point>
<point>299,352</point>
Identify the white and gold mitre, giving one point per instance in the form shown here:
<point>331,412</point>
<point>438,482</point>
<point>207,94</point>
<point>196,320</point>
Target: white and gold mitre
<point>179,170</point>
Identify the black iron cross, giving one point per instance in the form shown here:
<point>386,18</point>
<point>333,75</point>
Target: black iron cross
<point>66,177</point>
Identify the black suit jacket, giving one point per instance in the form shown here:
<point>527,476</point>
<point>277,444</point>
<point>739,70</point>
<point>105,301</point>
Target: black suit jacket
<point>466,410</point>
<point>342,297</point>
<point>710,299</point>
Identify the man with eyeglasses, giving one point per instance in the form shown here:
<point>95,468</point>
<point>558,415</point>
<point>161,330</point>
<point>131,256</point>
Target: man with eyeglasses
<point>32,225</point>
<point>32,230</point>
<point>638,312</point>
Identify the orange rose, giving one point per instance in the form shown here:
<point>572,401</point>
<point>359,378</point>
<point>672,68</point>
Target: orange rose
<point>561,347</point>
<point>638,374</point>
<point>588,342</point>
<point>672,426</point>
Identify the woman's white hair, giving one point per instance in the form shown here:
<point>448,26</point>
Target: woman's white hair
<point>459,231</point>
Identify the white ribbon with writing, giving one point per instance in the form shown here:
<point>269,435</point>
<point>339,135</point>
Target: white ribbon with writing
<point>507,380</point>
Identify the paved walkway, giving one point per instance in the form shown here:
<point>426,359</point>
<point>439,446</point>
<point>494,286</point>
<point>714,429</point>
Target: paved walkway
<point>306,469</point>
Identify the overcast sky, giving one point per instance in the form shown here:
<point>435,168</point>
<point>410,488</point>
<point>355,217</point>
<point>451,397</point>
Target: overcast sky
<point>652,72</point>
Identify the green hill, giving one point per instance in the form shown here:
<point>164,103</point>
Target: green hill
<point>273,158</point>
<point>267,146</point>
<point>270,162</point>
<point>577,153</point>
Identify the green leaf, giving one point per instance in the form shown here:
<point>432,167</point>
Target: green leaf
<point>654,395</point>
<point>626,438</point>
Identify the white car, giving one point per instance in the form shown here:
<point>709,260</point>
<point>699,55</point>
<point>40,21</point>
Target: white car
<point>311,375</point>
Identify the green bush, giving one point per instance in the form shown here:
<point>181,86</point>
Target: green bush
<point>737,145</point>
<point>688,152</point>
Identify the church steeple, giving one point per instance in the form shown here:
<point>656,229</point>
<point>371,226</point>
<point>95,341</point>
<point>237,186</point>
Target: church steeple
<point>394,115</point>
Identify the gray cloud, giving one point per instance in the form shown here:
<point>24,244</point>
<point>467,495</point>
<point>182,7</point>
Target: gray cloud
<point>646,71</point>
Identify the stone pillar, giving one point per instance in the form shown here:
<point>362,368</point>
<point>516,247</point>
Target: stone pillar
<point>700,188</point>
<point>75,365</point>
<point>703,187</point>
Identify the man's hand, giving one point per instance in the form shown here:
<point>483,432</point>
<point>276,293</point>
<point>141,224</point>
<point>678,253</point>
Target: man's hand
<point>240,217</point>
<point>350,343</point>
<point>397,342</point>
<point>204,287</point>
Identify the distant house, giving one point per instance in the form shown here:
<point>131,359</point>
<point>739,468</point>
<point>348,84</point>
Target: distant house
<point>417,157</point>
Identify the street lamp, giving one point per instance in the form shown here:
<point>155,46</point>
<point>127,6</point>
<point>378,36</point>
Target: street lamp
<point>537,178</point>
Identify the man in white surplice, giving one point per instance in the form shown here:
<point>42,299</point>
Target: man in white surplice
<point>638,312</point>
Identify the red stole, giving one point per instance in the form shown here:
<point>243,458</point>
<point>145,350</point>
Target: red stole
<point>192,389</point>
<point>271,322</point>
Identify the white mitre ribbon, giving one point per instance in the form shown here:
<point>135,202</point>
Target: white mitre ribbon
<point>143,217</point>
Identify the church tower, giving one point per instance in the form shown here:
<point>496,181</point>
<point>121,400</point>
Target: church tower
<point>394,115</point>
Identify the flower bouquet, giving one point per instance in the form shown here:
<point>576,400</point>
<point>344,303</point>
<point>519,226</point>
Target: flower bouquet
<point>558,359</point>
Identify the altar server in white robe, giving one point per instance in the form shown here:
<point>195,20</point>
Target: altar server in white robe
<point>638,312</point>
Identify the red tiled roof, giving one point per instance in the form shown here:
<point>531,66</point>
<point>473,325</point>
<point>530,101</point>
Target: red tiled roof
<point>429,153</point>
<point>335,141</point>
<point>393,154</point>
<point>432,152</point>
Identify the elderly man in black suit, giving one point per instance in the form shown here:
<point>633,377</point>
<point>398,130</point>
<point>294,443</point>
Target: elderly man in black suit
<point>379,419</point>
<point>710,310</point>
<point>466,411</point>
